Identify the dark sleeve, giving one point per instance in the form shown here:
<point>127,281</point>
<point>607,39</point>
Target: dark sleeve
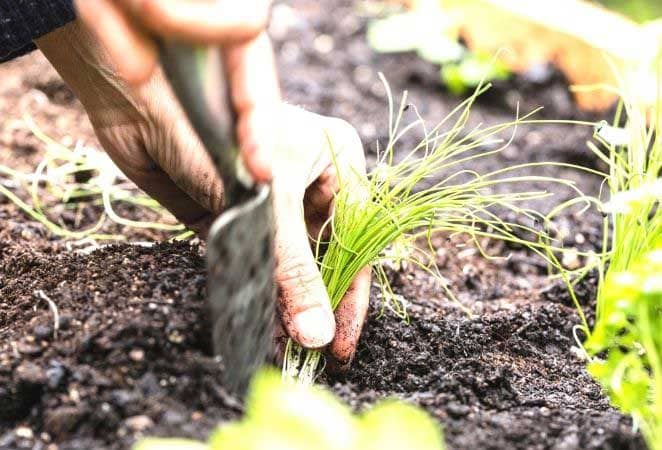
<point>22,21</point>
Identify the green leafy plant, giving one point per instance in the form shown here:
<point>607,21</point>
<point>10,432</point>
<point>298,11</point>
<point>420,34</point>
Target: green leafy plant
<point>287,416</point>
<point>629,301</point>
<point>433,33</point>
<point>394,207</point>
<point>624,348</point>
<point>628,340</point>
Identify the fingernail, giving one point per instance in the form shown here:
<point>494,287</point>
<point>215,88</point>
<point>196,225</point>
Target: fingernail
<point>315,327</point>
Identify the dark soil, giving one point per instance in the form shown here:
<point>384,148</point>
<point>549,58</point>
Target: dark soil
<point>131,356</point>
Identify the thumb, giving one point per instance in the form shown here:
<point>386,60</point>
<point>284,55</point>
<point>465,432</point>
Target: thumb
<point>303,301</point>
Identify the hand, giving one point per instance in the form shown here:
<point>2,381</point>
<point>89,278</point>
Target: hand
<point>147,135</point>
<point>123,28</point>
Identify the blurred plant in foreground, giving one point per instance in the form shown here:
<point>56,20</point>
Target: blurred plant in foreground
<point>282,415</point>
<point>629,335</point>
<point>624,348</point>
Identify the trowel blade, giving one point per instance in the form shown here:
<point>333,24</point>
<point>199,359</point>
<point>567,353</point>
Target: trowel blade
<point>241,291</point>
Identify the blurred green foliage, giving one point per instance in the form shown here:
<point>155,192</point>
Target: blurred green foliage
<point>433,33</point>
<point>289,416</point>
<point>639,10</point>
<point>628,341</point>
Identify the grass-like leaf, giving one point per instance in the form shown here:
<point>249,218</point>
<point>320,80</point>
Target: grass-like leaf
<point>431,189</point>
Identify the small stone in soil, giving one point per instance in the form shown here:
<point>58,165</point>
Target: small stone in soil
<point>64,322</point>
<point>43,332</point>
<point>137,355</point>
<point>55,374</point>
<point>139,423</point>
<point>29,349</point>
<point>457,411</point>
<point>173,418</point>
<point>62,419</point>
<point>122,398</point>
<point>30,373</point>
<point>24,433</point>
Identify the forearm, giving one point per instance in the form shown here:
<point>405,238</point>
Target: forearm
<point>23,21</point>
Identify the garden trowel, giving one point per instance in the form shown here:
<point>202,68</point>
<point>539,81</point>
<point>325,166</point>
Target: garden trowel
<point>240,260</point>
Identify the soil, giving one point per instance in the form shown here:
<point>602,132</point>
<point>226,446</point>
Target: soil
<point>130,353</point>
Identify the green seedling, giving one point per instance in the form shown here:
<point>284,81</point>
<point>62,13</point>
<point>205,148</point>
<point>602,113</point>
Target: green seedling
<point>287,416</point>
<point>629,302</point>
<point>71,179</point>
<point>624,348</point>
<point>395,208</point>
<point>628,340</point>
<point>632,223</point>
<point>432,31</point>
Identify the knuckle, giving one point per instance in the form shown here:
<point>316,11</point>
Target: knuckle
<point>300,286</point>
<point>152,10</point>
<point>296,269</point>
<point>348,142</point>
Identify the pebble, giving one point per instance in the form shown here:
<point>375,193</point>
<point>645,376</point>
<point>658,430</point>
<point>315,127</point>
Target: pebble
<point>43,332</point>
<point>570,259</point>
<point>137,355</point>
<point>30,374</point>
<point>55,375</point>
<point>139,423</point>
<point>123,398</point>
<point>176,337</point>
<point>62,419</point>
<point>173,418</point>
<point>65,322</point>
<point>148,384</point>
<point>456,410</point>
<point>323,43</point>
<point>29,349</point>
<point>24,433</point>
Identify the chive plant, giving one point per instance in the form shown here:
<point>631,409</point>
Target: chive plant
<point>59,175</point>
<point>625,345</point>
<point>635,164</point>
<point>396,208</point>
<point>628,341</point>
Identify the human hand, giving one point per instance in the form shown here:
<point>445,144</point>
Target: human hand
<point>124,29</point>
<point>145,132</point>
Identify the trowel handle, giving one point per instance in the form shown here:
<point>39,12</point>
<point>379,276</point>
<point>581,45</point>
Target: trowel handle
<point>199,82</point>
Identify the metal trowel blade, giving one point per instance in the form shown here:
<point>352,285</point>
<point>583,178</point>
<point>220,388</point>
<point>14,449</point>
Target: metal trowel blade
<point>241,290</point>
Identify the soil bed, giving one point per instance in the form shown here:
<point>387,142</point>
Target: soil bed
<point>131,356</point>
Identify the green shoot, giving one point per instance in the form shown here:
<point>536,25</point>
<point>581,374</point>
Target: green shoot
<point>71,178</point>
<point>629,334</point>
<point>629,298</point>
<point>632,216</point>
<point>396,209</point>
<point>288,416</point>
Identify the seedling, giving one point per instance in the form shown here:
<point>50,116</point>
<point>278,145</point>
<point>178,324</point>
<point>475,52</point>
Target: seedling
<point>433,33</point>
<point>395,208</point>
<point>628,335</point>
<point>72,178</point>
<point>625,346</point>
<point>281,415</point>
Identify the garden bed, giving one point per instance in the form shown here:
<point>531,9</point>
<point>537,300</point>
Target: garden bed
<point>132,352</point>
